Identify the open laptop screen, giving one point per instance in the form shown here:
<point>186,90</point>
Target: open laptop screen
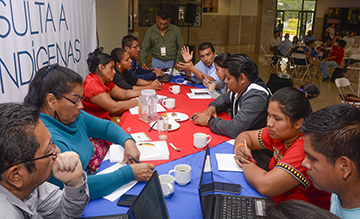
<point>206,179</point>
<point>150,202</point>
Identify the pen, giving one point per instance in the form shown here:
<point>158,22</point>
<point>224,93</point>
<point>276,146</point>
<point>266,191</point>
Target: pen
<point>135,160</point>
<point>246,148</point>
<point>152,126</point>
<point>210,82</point>
<point>175,148</point>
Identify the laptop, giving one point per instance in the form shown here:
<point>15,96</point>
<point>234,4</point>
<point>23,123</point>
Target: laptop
<point>193,79</point>
<point>167,77</point>
<point>149,204</point>
<point>214,206</point>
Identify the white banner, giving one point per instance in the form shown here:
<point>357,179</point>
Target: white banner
<point>38,33</point>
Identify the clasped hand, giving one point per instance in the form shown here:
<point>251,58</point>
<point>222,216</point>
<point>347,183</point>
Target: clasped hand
<point>203,118</point>
<point>68,169</point>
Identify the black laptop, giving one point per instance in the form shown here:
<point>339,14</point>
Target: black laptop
<point>149,204</point>
<point>167,77</point>
<point>214,206</point>
<point>193,79</point>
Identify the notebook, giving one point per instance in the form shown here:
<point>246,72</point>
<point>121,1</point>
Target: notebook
<point>149,204</point>
<point>214,206</point>
<point>167,77</point>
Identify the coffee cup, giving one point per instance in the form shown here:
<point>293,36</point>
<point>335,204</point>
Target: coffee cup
<point>175,89</point>
<point>200,140</point>
<point>169,103</point>
<point>182,174</point>
<point>167,184</point>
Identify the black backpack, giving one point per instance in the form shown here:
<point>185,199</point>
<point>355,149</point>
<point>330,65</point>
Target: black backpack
<point>338,73</point>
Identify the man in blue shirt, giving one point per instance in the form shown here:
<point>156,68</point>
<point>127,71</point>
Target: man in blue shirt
<point>309,37</point>
<point>131,45</point>
<point>284,47</point>
<point>205,67</point>
<point>332,148</point>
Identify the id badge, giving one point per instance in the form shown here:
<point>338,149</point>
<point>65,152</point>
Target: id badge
<point>163,51</point>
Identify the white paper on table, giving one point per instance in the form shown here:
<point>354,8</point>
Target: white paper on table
<point>135,109</point>
<point>153,150</point>
<point>121,190</point>
<point>140,136</point>
<point>198,96</point>
<point>115,153</point>
<point>199,91</point>
<point>226,162</point>
<point>232,141</point>
<point>207,167</point>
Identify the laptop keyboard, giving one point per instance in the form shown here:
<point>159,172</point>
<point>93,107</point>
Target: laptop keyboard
<point>236,207</point>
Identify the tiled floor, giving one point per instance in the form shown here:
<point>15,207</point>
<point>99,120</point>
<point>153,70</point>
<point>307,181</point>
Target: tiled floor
<point>329,94</point>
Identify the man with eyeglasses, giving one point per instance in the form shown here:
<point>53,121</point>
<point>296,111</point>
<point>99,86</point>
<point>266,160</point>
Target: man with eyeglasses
<point>28,157</point>
<point>131,45</point>
<point>164,41</point>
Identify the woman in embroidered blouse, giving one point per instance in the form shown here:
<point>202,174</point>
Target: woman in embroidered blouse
<point>99,88</point>
<point>287,178</point>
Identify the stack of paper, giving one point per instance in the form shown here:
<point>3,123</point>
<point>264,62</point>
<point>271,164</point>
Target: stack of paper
<point>199,94</point>
<point>153,150</point>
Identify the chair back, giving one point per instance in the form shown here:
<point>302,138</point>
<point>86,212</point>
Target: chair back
<point>299,59</point>
<point>342,82</point>
<point>263,50</point>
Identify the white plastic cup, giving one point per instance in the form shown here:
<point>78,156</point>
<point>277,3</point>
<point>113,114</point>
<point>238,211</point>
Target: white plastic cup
<point>162,127</point>
<point>167,184</point>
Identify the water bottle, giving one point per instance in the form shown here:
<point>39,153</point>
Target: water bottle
<point>147,106</point>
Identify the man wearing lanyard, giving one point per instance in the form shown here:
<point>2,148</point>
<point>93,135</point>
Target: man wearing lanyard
<point>164,41</point>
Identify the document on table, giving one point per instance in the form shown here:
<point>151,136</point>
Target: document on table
<point>150,150</point>
<point>153,150</point>
<point>135,109</point>
<point>199,94</point>
<point>226,162</point>
<point>121,190</point>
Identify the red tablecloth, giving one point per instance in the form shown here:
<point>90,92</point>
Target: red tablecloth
<point>182,137</point>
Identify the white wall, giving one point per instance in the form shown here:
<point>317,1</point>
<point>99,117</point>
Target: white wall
<point>249,7</point>
<point>224,8</point>
<point>236,7</point>
<point>112,22</point>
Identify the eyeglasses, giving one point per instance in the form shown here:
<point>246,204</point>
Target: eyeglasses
<point>136,47</point>
<point>54,154</point>
<point>74,102</point>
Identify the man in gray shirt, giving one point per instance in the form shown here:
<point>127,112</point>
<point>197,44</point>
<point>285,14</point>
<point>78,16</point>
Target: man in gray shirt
<point>28,157</point>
